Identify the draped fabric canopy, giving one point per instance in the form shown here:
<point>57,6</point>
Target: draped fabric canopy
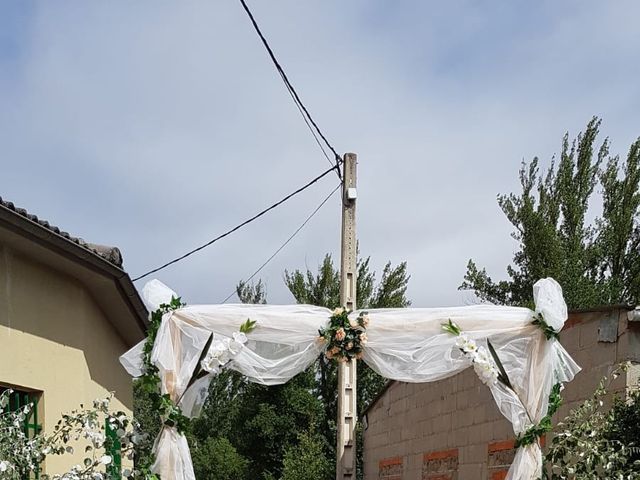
<point>406,344</point>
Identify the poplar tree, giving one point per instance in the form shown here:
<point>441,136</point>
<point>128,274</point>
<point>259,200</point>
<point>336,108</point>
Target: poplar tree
<point>597,263</point>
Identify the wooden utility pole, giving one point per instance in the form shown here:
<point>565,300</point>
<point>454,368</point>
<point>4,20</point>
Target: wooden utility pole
<point>347,410</point>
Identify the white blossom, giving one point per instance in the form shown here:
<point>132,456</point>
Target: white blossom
<point>222,351</point>
<point>483,364</point>
<point>466,344</point>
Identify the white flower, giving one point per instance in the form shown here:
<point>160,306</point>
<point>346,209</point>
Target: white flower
<point>240,337</point>
<point>4,466</point>
<point>485,367</point>
<point>466,344</point>
<point>105,460</point>
<point>235,346</point>
<point>338,311</point>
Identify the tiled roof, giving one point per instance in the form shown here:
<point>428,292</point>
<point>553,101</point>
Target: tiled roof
<point>110,254</point>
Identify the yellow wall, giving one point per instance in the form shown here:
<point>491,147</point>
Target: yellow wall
<point>53,338</point>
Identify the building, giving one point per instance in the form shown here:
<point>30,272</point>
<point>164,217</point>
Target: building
<point>67,312</point>
<point>452,429</point>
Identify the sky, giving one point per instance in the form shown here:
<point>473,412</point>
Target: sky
<point>155,126</point>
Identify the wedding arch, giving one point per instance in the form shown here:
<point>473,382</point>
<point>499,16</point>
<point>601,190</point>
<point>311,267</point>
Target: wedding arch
<point>515,352</point>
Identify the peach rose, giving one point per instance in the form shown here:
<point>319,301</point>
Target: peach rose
<point>340,334</point>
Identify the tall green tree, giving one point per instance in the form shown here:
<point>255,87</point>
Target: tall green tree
<point>595,262</point>
<point>307,459</point>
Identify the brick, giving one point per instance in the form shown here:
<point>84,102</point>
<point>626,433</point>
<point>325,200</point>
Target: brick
<point>390,469</point>
<point>440,465</point>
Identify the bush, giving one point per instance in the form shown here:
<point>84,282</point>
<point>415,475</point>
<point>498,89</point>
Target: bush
<point>307,459</point>
<point>594,442</point>
<point>217,459</point>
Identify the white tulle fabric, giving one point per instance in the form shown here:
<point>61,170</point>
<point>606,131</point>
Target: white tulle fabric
<point>407,344</point>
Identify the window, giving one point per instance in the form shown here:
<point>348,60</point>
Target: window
<point>20,399</point>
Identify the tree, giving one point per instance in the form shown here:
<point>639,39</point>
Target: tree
<point>596,263</point>
<point>217,459</point>
<point>252,292</point>
<point>306,459</point>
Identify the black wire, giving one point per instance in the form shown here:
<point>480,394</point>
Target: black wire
<point>292,91</point>
<point>229,232</point>
<point>286,241</point>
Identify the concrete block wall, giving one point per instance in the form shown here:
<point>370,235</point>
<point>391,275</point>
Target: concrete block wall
<point>452,429</point>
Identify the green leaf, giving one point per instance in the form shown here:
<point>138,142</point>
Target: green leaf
<point>503,377</point>
<point>248,326</point>
<point>451,328</point>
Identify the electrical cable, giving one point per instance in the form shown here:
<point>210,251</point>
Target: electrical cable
<point>237,227</point>
<point>292,91</point>
<point>286,242</point>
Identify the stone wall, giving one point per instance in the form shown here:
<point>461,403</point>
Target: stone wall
<point>452,429</point>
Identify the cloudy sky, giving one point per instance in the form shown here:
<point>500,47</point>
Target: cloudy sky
<point>155,126</point>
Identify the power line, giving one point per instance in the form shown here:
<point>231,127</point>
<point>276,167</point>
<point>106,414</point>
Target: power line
<point>286,241</point>
<point>246,222</point>
<point>294,95</point>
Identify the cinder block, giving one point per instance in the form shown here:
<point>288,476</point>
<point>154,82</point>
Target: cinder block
<point>471,471</point>
<point>589,332</point>
<point>473,453</point>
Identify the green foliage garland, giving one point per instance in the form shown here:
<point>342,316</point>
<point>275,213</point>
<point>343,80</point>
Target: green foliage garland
<point>533,433</point>
<point>344,338</point>
<point>150,381</point>
<point>548,330</point>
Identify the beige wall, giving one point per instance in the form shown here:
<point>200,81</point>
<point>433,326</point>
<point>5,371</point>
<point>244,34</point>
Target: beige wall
<point>452,429</point>
<point>53,338</point>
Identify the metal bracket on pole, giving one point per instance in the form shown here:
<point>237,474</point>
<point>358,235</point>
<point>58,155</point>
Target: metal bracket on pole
<point>347,380</point>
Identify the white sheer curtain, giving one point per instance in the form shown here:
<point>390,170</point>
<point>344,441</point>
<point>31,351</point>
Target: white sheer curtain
<point>403,344</point>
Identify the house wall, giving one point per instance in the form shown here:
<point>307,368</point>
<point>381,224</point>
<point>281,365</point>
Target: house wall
<point>452,429</point>
<point>54,339</point>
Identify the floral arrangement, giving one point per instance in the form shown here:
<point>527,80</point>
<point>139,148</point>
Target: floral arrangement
<point>21,455</point>
<point>221,351</point>
<point>483,363</point>
<point>344,338</point>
